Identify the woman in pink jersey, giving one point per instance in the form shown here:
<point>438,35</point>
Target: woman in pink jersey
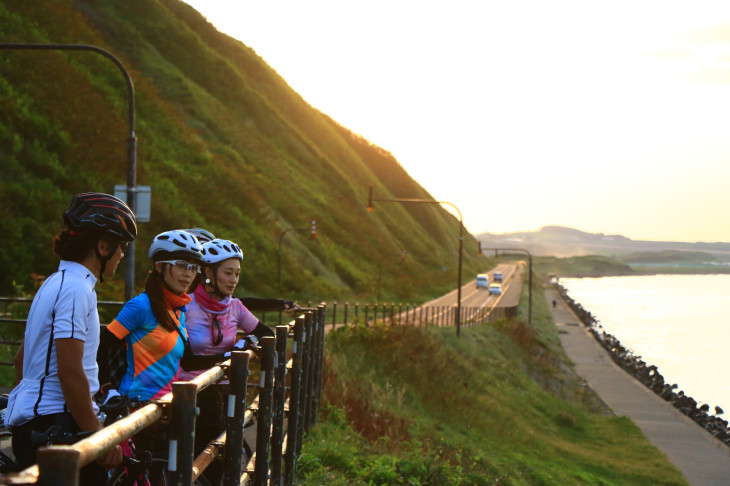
<point>213,320</point>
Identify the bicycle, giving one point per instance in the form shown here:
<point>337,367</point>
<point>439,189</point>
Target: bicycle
<point>7,464</point>
<point>135,469</point>
<point>141,467</point>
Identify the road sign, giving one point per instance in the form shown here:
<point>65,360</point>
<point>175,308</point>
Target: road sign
<point>142,201</point>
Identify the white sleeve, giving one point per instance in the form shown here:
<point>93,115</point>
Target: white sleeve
<point>70,314</point>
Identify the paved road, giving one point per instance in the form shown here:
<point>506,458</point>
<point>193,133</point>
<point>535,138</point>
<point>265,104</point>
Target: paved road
<point>703,460</point>
<point>474,297</point>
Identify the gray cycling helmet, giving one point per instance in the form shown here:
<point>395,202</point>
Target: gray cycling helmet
<point>218,250</point>
<point>201,234</point>
<point>175,244</point>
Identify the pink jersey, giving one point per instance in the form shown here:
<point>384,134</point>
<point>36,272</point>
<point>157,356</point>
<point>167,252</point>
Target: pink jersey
<point>203,332</point>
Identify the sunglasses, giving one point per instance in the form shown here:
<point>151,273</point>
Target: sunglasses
<point>183,265</point>
<point>123,245</point>
<point>216,333</point>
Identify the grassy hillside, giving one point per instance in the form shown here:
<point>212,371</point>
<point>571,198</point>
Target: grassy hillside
<point>499,405</point>
<point>224,143</point>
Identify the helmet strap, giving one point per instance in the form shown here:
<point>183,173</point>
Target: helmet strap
<point>217,290</point>
<point>213,282</point>
<point>104,259</point>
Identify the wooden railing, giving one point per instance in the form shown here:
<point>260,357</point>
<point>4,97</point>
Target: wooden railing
<point>283,411</point>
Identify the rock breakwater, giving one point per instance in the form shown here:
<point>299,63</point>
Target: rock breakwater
<point>649,374</point>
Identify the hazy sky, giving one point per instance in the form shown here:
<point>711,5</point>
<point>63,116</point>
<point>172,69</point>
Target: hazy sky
<point>607,116</point>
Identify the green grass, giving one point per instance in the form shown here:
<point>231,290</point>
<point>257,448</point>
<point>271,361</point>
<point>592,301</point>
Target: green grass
<point>497,405</point>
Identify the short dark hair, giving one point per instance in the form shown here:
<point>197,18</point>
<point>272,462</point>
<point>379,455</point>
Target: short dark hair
<point>73,246</point>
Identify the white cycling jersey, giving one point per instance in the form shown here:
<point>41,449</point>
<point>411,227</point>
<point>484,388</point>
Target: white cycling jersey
<point>64,307</point>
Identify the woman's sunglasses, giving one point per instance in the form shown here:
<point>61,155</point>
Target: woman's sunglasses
<point>183,265</point>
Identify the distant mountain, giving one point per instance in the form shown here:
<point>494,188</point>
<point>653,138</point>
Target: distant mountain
<point>563,242</point>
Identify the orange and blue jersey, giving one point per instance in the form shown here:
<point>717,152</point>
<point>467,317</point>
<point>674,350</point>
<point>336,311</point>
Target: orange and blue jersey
<point>153,352</point>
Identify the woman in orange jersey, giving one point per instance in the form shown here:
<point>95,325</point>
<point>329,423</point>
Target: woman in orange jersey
<point>153,323</point>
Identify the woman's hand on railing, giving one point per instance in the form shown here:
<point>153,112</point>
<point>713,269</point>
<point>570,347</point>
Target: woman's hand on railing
<point>290,307</point>
<point>249,342</point>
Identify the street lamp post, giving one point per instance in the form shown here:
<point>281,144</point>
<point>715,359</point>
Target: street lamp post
<point>529,257</point>
<point>370,208</point>
<point>131,142</point>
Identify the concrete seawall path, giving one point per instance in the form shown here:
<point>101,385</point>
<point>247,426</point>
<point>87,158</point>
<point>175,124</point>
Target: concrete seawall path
<point>704,460</point>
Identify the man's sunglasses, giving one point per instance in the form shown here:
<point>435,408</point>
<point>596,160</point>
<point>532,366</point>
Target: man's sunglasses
<point>183,265</point>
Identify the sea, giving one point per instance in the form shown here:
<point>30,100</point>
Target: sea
<point>679,323</point>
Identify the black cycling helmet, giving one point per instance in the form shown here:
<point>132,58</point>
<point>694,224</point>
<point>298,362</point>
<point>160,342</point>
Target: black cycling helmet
<point>201,234</point>
<point>103,214</point>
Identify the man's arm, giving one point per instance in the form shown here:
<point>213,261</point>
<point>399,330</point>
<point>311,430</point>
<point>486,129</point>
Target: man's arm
<point>76,393</point>
<point>74,383</point>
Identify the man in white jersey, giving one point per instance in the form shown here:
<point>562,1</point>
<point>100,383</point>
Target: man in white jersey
<point>56,364</point>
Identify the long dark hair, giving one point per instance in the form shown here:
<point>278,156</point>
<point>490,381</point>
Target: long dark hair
<point>153,287</point>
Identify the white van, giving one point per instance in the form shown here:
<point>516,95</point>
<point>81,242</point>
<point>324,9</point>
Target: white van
<point>482,281</point>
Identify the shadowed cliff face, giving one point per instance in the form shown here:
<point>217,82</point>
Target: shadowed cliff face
<point>224,143</point>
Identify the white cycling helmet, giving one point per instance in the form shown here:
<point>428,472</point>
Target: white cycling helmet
<point>218,250</point>
<point>175,244</point>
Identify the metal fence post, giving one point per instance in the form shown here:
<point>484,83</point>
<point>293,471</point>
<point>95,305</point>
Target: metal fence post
<point>319,356</point>
<point>292,430</point>
<point>306,378</point>
<point>315,367</point>
<point>235,414</point>
<point>277,432</point>
<point>263,416</point>
<point>182,431</point>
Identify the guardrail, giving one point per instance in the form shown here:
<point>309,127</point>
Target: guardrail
<point>283,412</point>
<point>414,315</point>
